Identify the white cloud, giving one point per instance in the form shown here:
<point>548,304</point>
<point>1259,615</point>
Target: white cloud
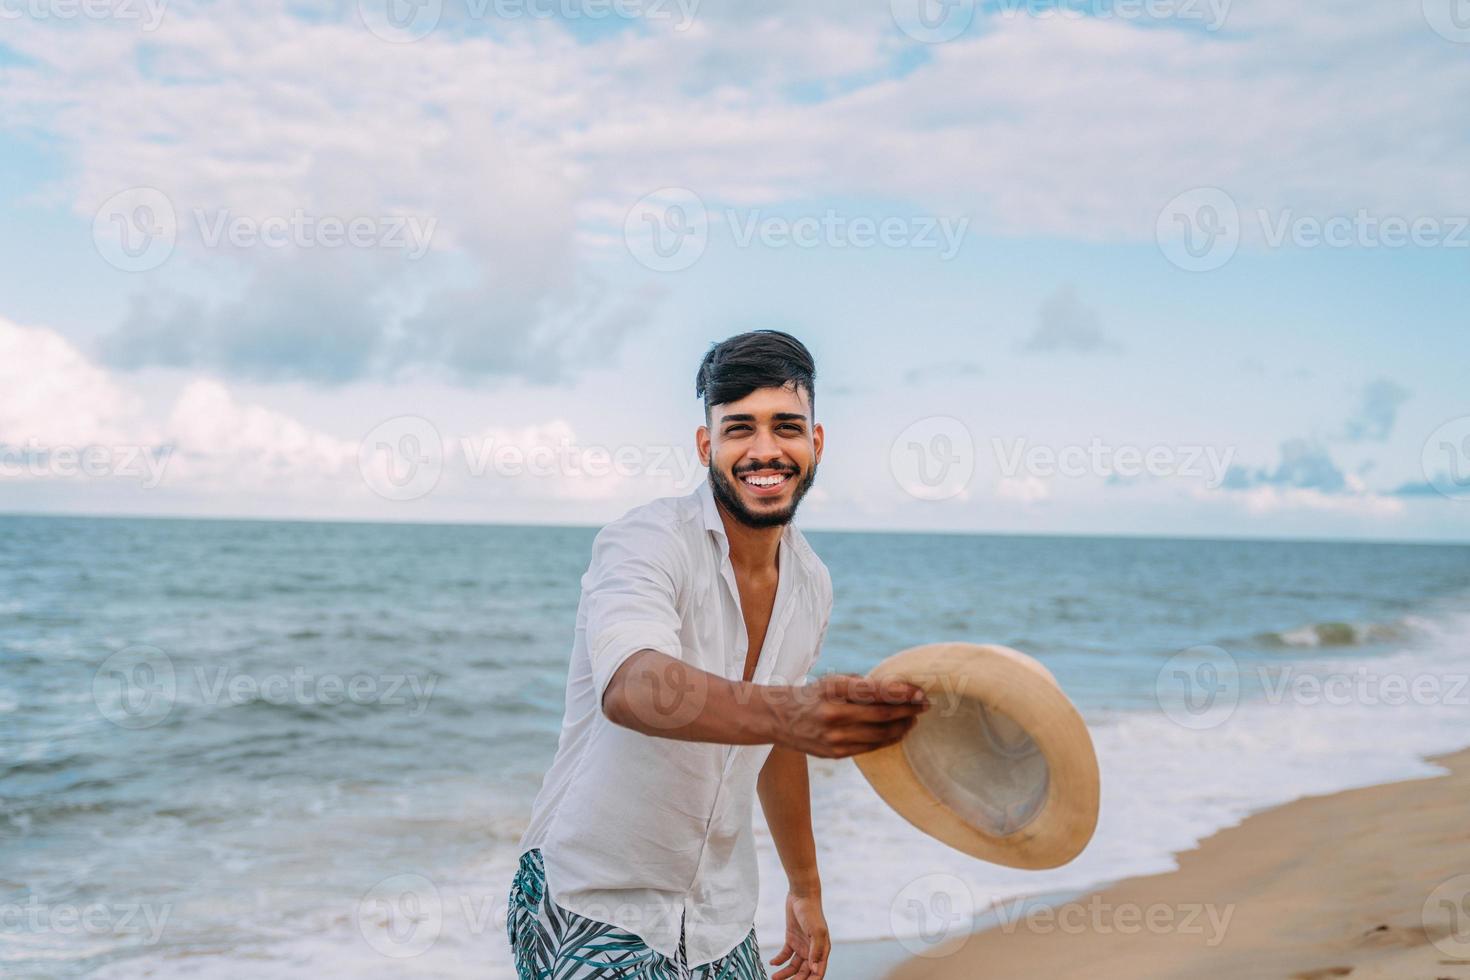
<point>217,440</point>
<point>1269,499</point>
<point>52,395</point>
<point>259,111</point>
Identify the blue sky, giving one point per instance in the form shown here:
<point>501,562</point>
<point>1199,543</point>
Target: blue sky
<point>1009,236</point>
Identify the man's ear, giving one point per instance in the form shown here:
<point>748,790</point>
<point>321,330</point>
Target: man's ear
<point>818,437</point>
<point>701,444</point>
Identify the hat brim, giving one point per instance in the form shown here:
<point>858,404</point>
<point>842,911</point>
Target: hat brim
<point>1020,688</point>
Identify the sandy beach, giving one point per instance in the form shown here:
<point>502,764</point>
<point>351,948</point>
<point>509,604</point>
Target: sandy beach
<point>1360,883</point>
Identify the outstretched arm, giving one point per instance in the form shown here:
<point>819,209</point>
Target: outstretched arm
<point>836,716</point>
<point>785,795</point>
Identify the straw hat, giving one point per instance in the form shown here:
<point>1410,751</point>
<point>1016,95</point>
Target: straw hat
<point>1001,767</point>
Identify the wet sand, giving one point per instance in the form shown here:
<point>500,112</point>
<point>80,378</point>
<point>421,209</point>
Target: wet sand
<point>1358,884</point>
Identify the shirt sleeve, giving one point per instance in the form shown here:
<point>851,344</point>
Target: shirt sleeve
<point>630,593</point>
<point>826,621</point>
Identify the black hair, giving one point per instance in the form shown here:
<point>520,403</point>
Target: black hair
<point>735,367</point>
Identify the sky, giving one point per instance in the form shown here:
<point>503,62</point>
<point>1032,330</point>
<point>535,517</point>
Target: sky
<point>1174,267</point>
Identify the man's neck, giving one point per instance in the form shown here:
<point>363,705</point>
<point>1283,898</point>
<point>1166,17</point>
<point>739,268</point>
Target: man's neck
<point>753,550</point>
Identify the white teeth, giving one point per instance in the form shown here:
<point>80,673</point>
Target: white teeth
<point>764,481</point>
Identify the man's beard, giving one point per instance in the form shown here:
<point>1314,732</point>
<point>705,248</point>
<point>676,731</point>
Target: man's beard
<point>729,495</point>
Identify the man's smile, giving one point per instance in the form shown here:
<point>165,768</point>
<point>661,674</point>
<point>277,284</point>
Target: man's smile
<point>767,483</point>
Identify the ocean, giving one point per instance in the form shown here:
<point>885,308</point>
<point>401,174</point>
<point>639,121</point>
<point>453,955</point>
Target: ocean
<point>275,749</point>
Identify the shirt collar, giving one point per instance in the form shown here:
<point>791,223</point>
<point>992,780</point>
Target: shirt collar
<point>790,540</point>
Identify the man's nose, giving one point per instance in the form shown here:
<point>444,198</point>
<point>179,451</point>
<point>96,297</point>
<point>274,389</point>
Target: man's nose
<point>764,448</point>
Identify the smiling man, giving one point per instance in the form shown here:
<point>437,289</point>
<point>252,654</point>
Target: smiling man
<point>701,617</point>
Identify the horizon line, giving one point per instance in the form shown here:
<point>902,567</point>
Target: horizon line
<point>959,532</point>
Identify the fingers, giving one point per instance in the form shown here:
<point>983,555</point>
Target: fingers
<point>780,957</point>
<point>822,947</point>
<point>856,739</point>
<point>870,714</point>
<point>789,971</point>
<point>863,690</point>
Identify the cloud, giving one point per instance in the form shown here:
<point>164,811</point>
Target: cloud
<point>297,320</point>
<point>1269,499</point>
<point>1422,488</point>
<point>1377,411</point>
<point>258,111</point>
<point>332,321</point>
<point>218,441</point>
<point>1305,478</point>
<point>55,405</point>
<point>51,395</point>
<point>207,442</point>
<point>1304,464</point>
<point>1064,324</point>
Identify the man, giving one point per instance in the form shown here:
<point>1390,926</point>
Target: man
<point>700,616</point>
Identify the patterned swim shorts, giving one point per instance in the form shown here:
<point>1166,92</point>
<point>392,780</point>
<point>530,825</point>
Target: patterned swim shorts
<point>551,943</point>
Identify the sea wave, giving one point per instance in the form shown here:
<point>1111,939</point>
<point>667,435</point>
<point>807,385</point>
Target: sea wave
<point>1344,634</point>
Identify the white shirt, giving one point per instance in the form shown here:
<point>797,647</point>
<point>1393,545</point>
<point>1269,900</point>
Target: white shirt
<point>637,830</point>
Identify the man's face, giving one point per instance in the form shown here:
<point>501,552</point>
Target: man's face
<point>762,452</point>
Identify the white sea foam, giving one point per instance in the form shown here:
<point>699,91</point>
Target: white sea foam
<point>1164,789</point>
